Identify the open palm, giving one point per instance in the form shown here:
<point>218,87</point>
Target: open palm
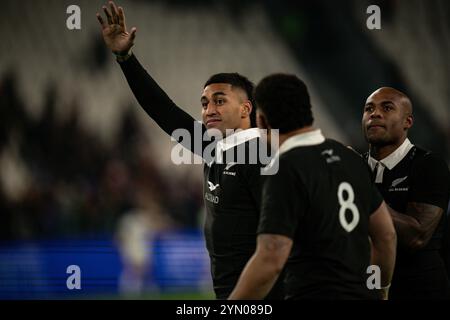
<point>115,33</point>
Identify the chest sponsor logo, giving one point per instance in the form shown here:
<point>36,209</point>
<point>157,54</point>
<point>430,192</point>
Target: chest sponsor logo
<point>398,189</point>
<point>212,186</point>
<point>211,198</point>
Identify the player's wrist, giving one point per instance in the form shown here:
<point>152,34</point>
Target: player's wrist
<point>122,56</point>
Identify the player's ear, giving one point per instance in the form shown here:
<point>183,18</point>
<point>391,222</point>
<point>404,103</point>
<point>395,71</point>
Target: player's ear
<point>246,109</point>
<point>409,121</point>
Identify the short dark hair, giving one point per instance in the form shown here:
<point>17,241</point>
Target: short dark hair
<point>239,81</point>
<point>285,101</point>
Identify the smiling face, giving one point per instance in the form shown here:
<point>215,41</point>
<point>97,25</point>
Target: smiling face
<point>225,107</point>
<point>387,117</point>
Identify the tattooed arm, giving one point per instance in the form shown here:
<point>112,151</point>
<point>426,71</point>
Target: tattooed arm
<point>428,198</point>
<point>416,226</point>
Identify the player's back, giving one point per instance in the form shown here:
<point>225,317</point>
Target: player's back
<point>331,250</point>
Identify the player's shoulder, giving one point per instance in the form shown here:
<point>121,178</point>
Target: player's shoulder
<point>298,156</point>
<point>341,146</point>
<point>344,151</point>
<point>329,148</point>
<point>347,157</point>
<point>426,159</point>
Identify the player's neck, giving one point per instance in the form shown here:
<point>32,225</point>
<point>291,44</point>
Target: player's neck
<point>283,137</point>
<point>245,124</point>
<point>379,152</point>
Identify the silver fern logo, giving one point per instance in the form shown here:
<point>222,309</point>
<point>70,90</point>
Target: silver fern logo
<point>396,182</point>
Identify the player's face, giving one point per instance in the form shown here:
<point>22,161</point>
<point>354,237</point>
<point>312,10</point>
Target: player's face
<point>223,107</point>
<point>384,120</point>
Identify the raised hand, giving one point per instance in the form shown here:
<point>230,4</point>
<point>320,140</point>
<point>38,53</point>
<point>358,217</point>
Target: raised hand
<point>115,33</point>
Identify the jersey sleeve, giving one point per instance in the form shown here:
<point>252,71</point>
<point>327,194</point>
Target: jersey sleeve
<point>430,182</point>
<point>284,200</point>
<point>159,106</point>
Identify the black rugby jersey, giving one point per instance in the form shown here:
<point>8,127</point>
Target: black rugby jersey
<point>322,198</point>
<point>232,192</point>
<point>413,174</point>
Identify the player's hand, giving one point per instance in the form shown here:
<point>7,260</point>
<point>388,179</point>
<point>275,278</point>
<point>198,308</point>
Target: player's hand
<point>114,30</point>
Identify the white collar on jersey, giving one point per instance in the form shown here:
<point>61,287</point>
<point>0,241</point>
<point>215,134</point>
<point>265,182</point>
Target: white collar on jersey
<point>309,138</point>
<point>237,138</point>
<point>390,161</point>
<point>394,158</point>
<point>233,140</point>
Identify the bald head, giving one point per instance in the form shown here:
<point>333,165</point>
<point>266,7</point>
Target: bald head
<point>395,96</point>
<point>387,118</point>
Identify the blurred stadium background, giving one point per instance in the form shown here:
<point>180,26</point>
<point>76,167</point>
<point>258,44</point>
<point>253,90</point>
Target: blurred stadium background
<point>86,177</point>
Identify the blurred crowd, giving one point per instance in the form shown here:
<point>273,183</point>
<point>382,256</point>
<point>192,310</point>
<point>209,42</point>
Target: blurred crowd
<point>73,184</point>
